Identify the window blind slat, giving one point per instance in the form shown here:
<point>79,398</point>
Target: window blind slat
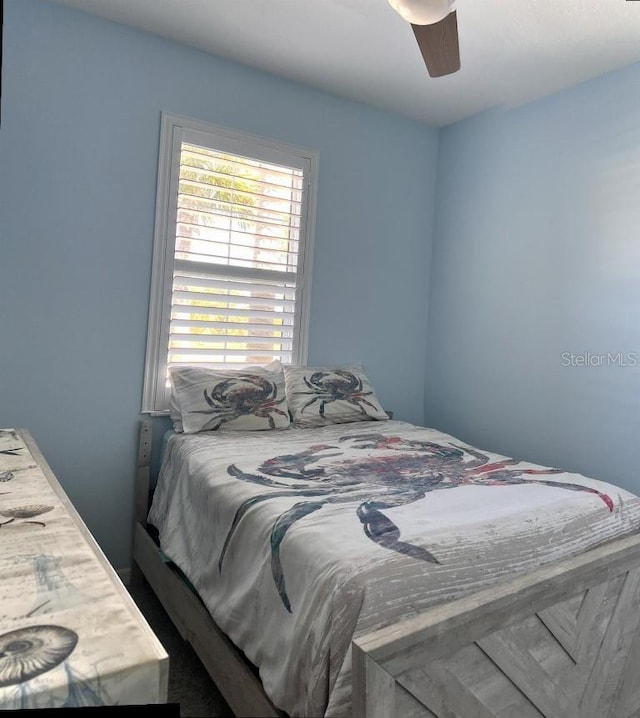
<point>225,341</point>
<point>234,363</point>
<point>293,200</point>
<point>200,354</point>
<point>209,269</point>
<point>217,242</point>
<point>246,263</point>
<point>196,152</point>
<point>242,202</point>
<point>204,203</point>
<point>186,325</point>
<point>229,299</point>
<point>227,179</point>
<point>256,288</point>
<point>213,221</point>
<point>235,252</point>
<point>233,163</point>
<point>252,314</point>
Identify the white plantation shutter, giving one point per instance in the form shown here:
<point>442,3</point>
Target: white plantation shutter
<point>235,259</point>
<point>232,253</point>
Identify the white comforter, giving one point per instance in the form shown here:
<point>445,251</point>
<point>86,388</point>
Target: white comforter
<point>300,539</point>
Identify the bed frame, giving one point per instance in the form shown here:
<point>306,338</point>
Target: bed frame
<point>236,679</point>
<point>561,642</point>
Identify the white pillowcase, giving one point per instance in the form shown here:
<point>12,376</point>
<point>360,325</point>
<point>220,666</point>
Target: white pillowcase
<point>252,398</point>
<point>174,413</point>
<point>319,396</point>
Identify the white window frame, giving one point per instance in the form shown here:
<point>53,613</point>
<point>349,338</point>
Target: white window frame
<point>174,128</point>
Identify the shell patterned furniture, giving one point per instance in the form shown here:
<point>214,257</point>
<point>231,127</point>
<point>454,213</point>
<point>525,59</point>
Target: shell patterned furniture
<point>70,634</point>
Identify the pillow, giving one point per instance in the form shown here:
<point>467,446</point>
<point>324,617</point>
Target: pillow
<point>174,408</point>
<point>174,413</point>
<point>248,399</point>
<point>318,396</point>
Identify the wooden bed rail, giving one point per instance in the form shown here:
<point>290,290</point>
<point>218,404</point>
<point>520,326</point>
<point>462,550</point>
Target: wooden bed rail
<point>141,492</point>
<point>235,678</point>
<point>143,472</point>
<point>561,642</point>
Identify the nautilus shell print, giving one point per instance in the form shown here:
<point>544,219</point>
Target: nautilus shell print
<point>28,652</point>
<point>6,475</point>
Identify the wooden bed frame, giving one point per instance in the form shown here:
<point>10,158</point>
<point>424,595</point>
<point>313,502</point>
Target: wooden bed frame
<point>236,679</point>
<point>561,642</point>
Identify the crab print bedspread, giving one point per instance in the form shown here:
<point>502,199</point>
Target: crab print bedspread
<point>301,539</point>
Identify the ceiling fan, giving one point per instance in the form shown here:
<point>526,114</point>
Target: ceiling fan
<point>435,26</point>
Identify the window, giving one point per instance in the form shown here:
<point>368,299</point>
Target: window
<point>232,252</point>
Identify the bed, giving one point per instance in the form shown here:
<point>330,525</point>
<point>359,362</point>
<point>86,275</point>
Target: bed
<point>377,568</point>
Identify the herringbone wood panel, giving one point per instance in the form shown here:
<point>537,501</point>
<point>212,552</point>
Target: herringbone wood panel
<point>572,660</point>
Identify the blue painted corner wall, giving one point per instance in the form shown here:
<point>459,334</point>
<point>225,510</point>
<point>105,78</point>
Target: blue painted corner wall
<point>534,309</point>
<point>473,270</point>
<point>81,104</point>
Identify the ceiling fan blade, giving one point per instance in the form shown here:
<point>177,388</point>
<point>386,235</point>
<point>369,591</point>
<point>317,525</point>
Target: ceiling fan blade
<point>438,44</point>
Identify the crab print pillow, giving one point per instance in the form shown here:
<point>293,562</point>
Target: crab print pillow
<point>209,399</point>
<point>318,396</point>
<point>174,407</point>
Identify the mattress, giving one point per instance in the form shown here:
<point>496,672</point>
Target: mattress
<point>299,540</point>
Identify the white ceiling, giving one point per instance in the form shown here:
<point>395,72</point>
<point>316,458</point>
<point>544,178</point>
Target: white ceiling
<point>512,51</point>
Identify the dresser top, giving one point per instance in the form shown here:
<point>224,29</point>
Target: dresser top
<point>70,633</point>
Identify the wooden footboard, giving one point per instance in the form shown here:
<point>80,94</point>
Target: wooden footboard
<point>562,642</point>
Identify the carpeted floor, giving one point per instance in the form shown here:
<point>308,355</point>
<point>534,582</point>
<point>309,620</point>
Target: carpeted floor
<point>189,683</point>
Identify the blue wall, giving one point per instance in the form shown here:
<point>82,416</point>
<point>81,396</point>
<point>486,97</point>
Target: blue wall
<point>536,253</point>
<point>78,156</point>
